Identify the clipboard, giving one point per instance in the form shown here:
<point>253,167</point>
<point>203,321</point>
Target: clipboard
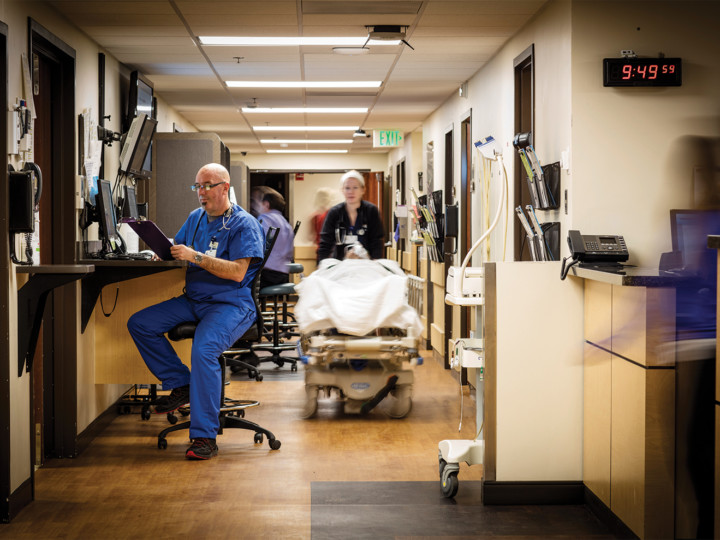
<point>152,236</point>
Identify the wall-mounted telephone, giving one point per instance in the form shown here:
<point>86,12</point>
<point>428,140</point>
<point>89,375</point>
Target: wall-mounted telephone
<point>25,188</point>
<point>594,249</point>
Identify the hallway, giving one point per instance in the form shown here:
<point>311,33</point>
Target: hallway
<point>335,476</point>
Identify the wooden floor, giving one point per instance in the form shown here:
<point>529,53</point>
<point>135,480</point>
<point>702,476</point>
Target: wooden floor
<point>123,486</point>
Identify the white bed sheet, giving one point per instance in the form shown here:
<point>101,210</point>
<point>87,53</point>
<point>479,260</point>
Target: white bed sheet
<point>355,296</point>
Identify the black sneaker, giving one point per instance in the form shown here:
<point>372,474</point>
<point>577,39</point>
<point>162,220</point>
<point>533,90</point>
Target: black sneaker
<point>202,448</point>
<point>179,397</point>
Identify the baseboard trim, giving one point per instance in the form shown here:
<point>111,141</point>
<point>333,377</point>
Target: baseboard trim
<point>96,427</point>
<point>532,492</point>
<point>18,500</point>
<point>606,516</point>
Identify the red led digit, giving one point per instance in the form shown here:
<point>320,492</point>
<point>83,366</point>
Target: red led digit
<point>641,71</point>
<point>652,70</point>
<point>627,71</point>
<point>671,69</point>
<point>665,69</point>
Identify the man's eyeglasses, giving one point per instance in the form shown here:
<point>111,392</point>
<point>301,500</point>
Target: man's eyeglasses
<point>205,187</point>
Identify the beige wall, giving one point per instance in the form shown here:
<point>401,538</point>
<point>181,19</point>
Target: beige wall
<point>626,165</point>
<point>491,102</point>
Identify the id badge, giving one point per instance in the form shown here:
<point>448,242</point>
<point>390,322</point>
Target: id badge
<point>351,239</point>
<point>213,249</point>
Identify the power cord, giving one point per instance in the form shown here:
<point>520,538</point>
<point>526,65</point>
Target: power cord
<point>565,269</point>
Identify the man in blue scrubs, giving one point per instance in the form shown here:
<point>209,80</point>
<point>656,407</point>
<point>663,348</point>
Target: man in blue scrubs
<point>225,246</point>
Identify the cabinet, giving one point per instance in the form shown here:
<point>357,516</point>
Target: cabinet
<point>177,157</point>
<point>629,402</point>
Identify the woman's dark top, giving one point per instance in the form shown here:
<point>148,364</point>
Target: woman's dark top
<point>368,229</point>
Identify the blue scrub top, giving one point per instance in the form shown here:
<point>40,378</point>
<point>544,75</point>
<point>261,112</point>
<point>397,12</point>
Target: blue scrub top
<point>238,236</point>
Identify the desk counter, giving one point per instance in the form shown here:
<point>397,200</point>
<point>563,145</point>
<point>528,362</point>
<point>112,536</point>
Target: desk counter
<point>138,284</point>
<point>629,396</point>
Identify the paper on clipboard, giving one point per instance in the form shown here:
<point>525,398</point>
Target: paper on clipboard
<point>152,236</point>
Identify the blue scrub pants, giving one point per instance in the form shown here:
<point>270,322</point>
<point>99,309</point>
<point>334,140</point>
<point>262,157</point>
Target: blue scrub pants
<point>220,325</point>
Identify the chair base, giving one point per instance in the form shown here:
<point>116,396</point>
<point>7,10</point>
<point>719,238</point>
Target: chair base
<point>229,422</point>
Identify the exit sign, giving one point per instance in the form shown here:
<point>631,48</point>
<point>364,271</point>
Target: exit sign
<point>387,138</point>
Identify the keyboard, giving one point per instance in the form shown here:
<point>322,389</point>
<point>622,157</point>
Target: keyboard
<point>127,256</point>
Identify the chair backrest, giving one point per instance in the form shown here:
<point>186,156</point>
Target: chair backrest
<point>270,237</point>
<point>295,228</point>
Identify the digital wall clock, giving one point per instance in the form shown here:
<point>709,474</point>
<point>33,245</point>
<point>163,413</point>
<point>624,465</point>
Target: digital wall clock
<point>642,71</point>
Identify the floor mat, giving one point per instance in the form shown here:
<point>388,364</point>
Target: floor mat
<point>392,510</point>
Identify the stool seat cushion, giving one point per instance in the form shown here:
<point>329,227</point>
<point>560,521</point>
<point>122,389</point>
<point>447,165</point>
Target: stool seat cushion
<point>184,330</point>
<point>295,268</point>
<point>278,290</point>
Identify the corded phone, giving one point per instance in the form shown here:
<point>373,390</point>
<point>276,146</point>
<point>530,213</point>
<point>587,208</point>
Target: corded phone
<point>587,248</point>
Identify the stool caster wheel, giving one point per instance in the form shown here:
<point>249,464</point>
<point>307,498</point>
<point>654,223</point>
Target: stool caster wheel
<point>162,444</point>
<point>258,438</point>
<point>259,377</point>
<point>274,444</point>
<point>293,367</point>
<point>172,418</point>
<point>145,413</point>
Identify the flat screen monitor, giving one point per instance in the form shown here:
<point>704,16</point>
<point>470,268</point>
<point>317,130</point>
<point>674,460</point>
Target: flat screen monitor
<point>689,230</point>
<point>106,216</point>
<point>137,146</point>
<point>140,101</point>
<point>130,208</point>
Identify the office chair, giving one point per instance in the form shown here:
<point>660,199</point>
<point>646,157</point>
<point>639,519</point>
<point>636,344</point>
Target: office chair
<point>232,411</point>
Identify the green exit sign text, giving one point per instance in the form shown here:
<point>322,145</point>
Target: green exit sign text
<point>387,138</point>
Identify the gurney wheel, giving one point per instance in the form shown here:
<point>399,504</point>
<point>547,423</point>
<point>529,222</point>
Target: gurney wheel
<point>450,486</point>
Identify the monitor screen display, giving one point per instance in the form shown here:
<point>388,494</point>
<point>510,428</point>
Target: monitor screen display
<point>137,146</point>
<point>130,208</point>
<point>106,216</point>
<point>689,230</point>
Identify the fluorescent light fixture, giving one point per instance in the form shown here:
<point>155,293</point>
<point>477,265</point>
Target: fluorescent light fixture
<point>305,128</point>
<point>256,41</point>
<point>302,110</point>
<point>306,151</point>
<point>303,84</point>
<point>351,51</point>
<point>306,141</point>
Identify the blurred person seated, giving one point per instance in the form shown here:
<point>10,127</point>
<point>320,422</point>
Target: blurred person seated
<point>268,204</point>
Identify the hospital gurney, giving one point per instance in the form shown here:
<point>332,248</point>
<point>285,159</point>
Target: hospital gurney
<point>358,329</point>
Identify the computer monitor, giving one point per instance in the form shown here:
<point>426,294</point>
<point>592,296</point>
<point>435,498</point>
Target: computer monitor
<point>130,207</point>
<point>137,145</point>
<point>689,230</point>
<point>106,215</point>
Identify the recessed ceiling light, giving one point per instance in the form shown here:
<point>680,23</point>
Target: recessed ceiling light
<point>306,151</point>
<point>347,110</point>
<point>351,51</point>
<point>303,84</point>
<point>306,141</point>
<point>256,41</point>
<point>305,128</point>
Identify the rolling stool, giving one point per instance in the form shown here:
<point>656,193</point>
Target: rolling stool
<point>232,411</point>
<point>278,294</point>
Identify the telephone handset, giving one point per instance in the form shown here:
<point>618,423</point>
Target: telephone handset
<point>586,248</point>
